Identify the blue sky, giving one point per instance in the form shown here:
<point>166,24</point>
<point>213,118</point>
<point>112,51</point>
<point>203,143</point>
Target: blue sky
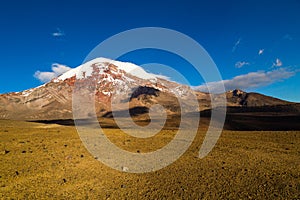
<point>253,43</point>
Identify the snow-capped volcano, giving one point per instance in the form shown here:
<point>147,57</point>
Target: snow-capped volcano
<point>105,79</point>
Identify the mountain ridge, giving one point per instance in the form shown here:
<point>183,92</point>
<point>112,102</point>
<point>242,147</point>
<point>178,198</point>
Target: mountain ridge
<point>106,78</point>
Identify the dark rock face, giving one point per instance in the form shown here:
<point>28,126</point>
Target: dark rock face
<point>144,90</point>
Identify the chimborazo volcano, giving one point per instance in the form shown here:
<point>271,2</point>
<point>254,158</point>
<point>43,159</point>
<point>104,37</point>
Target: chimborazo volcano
<point>107,79</point>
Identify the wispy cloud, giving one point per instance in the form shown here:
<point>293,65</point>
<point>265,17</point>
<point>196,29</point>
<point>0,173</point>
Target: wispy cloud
<point>277,63</point>
<point>241,64</point>
<point>57,69</point>
<point>260,52</point>
<point>236,44</point>
<point>58,33</point>
<point>246,81</point>
<point>287,37</point>
<point>161,76</point>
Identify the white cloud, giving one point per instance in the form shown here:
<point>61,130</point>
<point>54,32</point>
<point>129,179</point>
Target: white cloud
<point>162,76</point>
<point>236,44</point>
<point>261,51</point>
<point>241,64</point>
<point>287,37</point>
<point>44,76</point>
<point>58,33</point>
<point>57,69</point>
<point>246,81</point>
<point>277,63</point>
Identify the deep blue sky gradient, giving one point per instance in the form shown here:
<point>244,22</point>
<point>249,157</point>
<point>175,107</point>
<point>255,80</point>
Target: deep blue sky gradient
<point>27,44</point>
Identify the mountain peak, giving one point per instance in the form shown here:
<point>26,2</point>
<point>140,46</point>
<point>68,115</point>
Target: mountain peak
<point>236,92</point>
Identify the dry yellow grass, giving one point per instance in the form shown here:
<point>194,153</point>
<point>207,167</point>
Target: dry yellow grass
<point>47,162</point>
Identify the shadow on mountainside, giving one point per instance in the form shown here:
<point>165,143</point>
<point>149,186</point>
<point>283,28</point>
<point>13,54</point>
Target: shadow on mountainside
<point>266,118</point>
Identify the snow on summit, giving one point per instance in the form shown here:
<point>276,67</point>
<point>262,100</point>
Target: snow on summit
<point>86,69</point>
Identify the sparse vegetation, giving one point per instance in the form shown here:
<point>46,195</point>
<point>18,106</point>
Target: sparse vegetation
<point>55,164</point>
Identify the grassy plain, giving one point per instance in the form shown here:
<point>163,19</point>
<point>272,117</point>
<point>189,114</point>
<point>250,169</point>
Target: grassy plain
<point>47,161</point>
